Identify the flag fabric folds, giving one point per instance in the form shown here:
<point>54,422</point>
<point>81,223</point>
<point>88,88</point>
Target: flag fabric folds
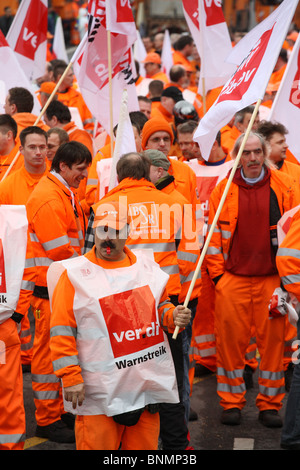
<point>286,106</point>
<point>12,75</point>
<point>255,55</point>
<point>93,61</point>
<point>209,30</point>
<point>27,37</point>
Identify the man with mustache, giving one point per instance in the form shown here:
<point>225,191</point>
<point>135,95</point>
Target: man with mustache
<point>115,302</point>
<point>241,262</point>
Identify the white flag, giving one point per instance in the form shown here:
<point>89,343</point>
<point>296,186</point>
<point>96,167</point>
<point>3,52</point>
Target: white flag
<point>91,60</point>
<point>166,54</point>
<point>286,106</point>
<point>257,54</point>
<point>210,33</point>
<point>12,75</point>
<point>59,46</point>
<point>27,37</point>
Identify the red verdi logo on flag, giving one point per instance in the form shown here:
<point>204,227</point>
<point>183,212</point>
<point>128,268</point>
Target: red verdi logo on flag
<point>191,8</point>
<point>214,12</point>
<point>33,31</point>
<point>2,270</point>
<point>124,12</point>
<point>243,77</point>
<point>131,321</point>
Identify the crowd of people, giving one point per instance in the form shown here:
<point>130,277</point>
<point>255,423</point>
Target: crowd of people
<point>107,272</point>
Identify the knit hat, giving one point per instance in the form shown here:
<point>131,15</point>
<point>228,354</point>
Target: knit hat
<point>47,87</point>
<point>152,58</point>
<point>155,125</point>
<point>157,158</point>
<point>173,92</point>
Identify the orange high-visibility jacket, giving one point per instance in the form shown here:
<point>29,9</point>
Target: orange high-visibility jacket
<point>6,160</point>
<point>24,120</point>
<point>221,239</point>
<point>188,252</point>
<point>17,187</point>
<point>155,225</point>
<point>53,226</point>
<point>288,258</point>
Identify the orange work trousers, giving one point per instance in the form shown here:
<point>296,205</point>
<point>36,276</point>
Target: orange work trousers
<point>241,303</point>
<point>101,432</point>
<point>47,391</point>
<point>26,341</point>
<point>12,413</point>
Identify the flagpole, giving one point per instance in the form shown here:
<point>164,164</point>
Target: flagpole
<point>111,120</point>
<point>224,195</point>
<point>40,115</point>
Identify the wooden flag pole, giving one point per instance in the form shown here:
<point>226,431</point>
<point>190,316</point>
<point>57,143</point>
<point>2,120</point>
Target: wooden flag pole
<point>224,195</point>
<point>40,116</point>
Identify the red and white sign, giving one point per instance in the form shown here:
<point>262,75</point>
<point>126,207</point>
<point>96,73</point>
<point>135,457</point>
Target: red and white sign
<point>12,75</point>
<point>209,30</point>
<point>286,106</point>
<point>27,36</point>
<point>131,321</point>
<point>91,60</point>
<point>255,55</point>
<point>2,270</point>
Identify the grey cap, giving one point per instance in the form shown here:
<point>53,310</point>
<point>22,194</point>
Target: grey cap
<point>157,158</point>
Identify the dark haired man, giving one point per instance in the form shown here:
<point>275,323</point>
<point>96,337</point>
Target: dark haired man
<point>57,226</point>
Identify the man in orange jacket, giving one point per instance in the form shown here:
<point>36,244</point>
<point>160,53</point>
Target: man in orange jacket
<point>188,254</point>
<point>241,262</point>
<point>240,124</point>
<point>152,64</point>
<point>117,408</point>
<point>287,261</point>
<point>155,226</point>
<point>15,190</point>
<point>17,282</point>
<point>54,200</point>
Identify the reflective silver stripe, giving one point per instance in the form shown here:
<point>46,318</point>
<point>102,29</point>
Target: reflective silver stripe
<point>204,338</point>
<point>55,243</point>
<point>165,302</point>
<point>64,362</point>
<point>92,181</point>
<point>212,250</point>
<point>25,333</point>
<point>44,378</point>
<point>221,387</point>
<point>74,241</point>
<point>43,262</point>
<point>268,375</point>
<point>292,252</point>
<point>226,234</point>
<point>12,438</point>
<point>33,237</point>
<point>46,395</point>
<point>186,256</point>
<point>271,391</point>
<point>204,352</point>
<point>27,285</point>
<point>30,263</point>
<point>188,278</point>
<point>26,346</point>
<point>172,269</point>
<point>156,247</point>
<point>199,214</point>
<point>230,374</point>
<point>216,229</point>
<point>292,279</point>
<point>63,330</point>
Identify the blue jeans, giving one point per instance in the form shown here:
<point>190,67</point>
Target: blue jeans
<point>291,429</point>
<point>186,342</point>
